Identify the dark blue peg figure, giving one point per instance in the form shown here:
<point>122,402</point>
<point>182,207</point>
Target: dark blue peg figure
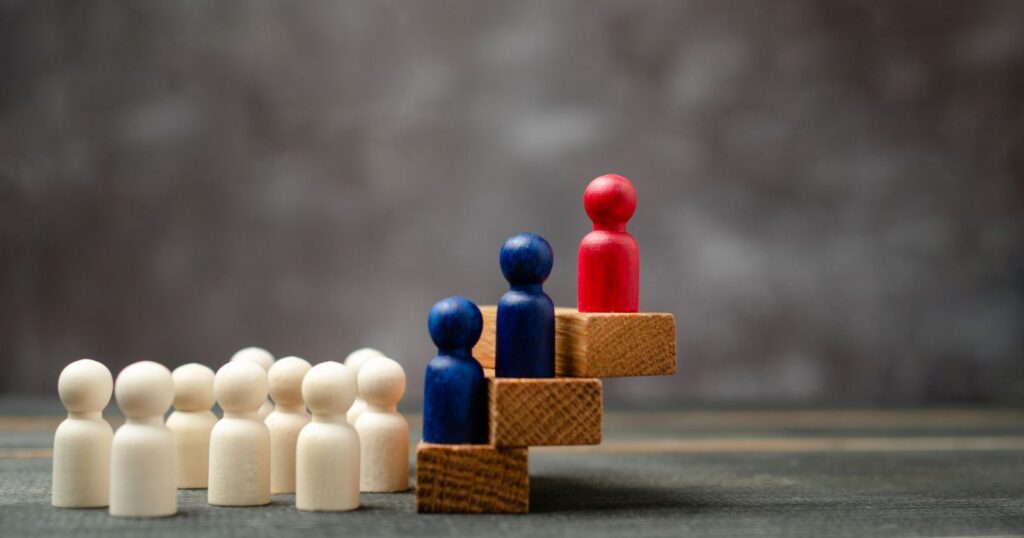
<point>525,332</point>
<point>455,395</point>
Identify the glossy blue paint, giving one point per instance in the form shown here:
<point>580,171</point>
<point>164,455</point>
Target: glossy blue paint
<point>455,394</point>
<point>525,332</point>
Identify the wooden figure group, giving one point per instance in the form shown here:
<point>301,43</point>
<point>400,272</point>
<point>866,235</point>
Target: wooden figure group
<point>608,280</point>
<point>245,456</point>
<point>534,377</point>
<point>329,431</point>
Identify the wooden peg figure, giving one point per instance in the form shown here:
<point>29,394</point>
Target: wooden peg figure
<point>240,442</point>
<point>265,360</point>
<point>286,421</point>
<point>143,478</point>
<point>383,432</point>
<point>355,361</point>
<point>455,392</point>
<point>81,445</point>
<point>327,456</point>
<point>525,332</point>
<point>192,421</point>
<point>609,258</point>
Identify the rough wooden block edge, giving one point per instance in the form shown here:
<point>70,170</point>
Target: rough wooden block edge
<point>600,344</point>
<point>606,344</point>
<point>472,479</point>
<point>545,411</point>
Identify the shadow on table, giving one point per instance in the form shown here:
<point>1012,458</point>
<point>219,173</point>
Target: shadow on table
<point>565,494</point>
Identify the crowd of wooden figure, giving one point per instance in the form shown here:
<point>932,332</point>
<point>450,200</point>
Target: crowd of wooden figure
<point>329,431</point>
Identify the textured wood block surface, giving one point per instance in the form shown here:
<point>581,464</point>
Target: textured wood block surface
<point>472,479</point>
<point>600,344</point>
<point>540,412</point>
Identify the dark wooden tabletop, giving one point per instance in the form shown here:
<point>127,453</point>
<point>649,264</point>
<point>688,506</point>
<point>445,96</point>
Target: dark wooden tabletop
<point>888,473</point>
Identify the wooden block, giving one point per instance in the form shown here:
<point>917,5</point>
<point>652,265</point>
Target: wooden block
<point>605,344</point>
<point>472,479</point>
<point>544,412</point>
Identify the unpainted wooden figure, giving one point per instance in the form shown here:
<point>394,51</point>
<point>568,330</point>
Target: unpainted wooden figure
<point>240,442</point>
<point>383,432</point>
<point>355,362</point>
<point>286,421</point>
<point>327,456</point>
<point>192,421</point>
<point>143,475</point>
<point>265,360</point>
<point>81,445</point>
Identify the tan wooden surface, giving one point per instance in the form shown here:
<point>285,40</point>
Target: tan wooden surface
<point>600,344</point>
<point>544,412</point>
<point>472,479</point>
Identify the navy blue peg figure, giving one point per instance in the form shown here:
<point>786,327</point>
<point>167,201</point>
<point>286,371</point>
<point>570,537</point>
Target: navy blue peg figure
<point>455,394</point>
<point>525,332</point>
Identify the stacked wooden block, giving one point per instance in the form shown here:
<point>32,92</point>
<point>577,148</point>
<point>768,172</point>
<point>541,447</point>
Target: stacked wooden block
<point>560,411</point>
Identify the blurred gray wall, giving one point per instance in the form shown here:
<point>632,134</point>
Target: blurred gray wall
<point>831,194</point>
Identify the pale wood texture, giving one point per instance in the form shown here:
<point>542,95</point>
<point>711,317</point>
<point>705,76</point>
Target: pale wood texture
<point>82,442</point>
<point>327,453</point>
<point>544,412</point>
<point>472,479</point>
<point>143,481</point>
<point>600,344</point>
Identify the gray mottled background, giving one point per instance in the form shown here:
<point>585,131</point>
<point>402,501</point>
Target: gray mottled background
<point>831,193</point>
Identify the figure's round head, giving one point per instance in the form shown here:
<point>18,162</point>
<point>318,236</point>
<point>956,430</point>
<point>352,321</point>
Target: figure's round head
<point>84,386</point>
<point>610,200</point>
<point>359,357</point>
<point>285,380</point>
<point>329,388</point>
<point>381,382</point>
<point>144,389</point>
<point>257,355</point>
<point>526,259</point>
<point>193,387</point>
<point>240,387</point>
<point>455,322</point>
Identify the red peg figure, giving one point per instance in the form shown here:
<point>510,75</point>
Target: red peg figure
<point>609,258</point>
